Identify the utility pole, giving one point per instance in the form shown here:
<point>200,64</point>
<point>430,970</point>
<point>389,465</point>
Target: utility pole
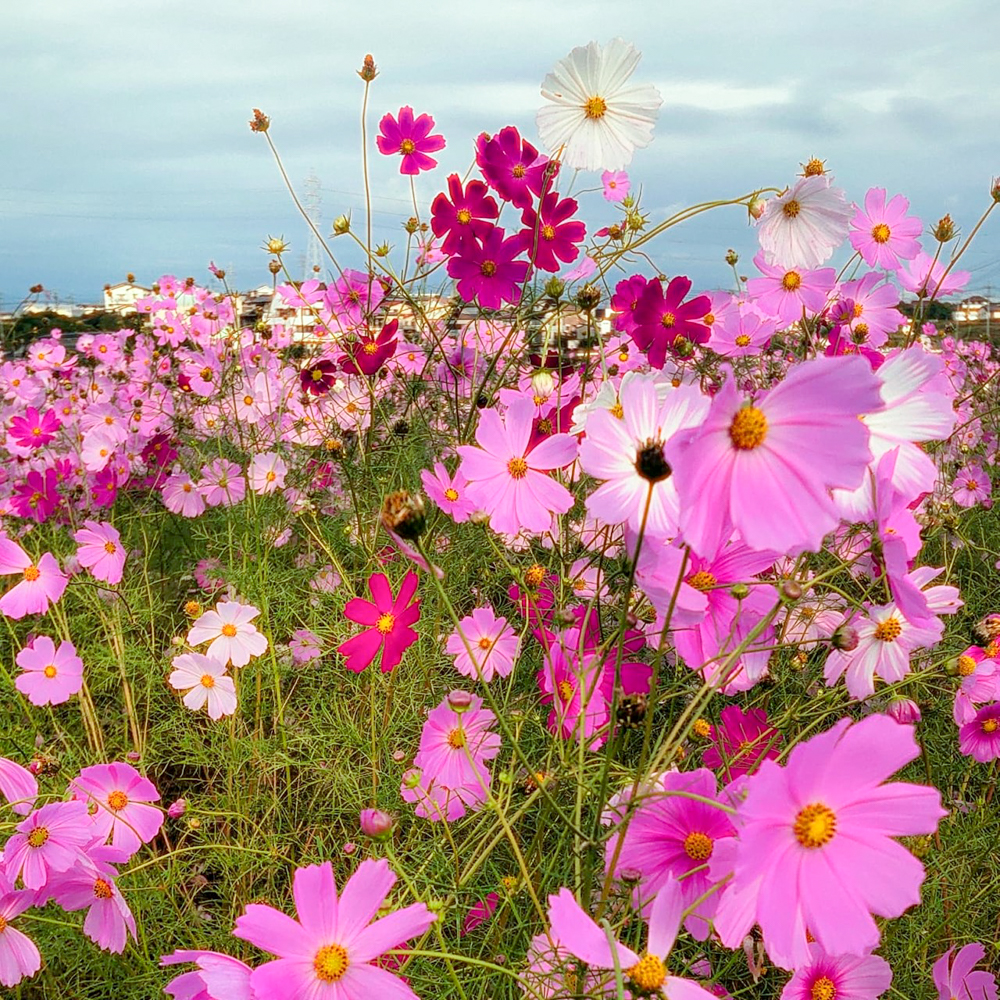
<point>312,201</point>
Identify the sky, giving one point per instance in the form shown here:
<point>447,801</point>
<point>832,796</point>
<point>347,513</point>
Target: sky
<point>124,144</point>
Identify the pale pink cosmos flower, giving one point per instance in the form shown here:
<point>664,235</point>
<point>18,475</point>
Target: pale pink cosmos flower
<point>615,184</point>
<point>925,276</point>
<point>18,786</point>
<point>483,645</point>
<point>206,682</point>
<point>267,473</point>
<point>788,294</point>
<point>181,495</point>
<point>883,233</point>
<point>101,551</point>
<point>456,742</point>
<point>52,839</point>
<point>802,227</point>
<point>51,676</point>
<point>118,798</point>
<point>41,583</point>
<point>19,956</point>
<point>971,486</point>
<point>330,952</point>
<point>218,977</point>
<point>230,632</point>
<point>846,977</point>
<point>956,978</point>
<point>510,482</point>
<point>448,492</point>
<point>223,486</point>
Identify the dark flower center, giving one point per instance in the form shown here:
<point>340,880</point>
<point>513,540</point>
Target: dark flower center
<point>650,462</point>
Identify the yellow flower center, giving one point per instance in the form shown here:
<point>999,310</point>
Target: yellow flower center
<point>270,477</point>
<point>38,837</point>
<point>617,411</point>
<point>966,666</point>
<point>823,989</point>
<point>206,374</point>
<point>110,548</point>
<point>519,170</point>
<point>370,348</point>
<point>748,429</point>
<point>207,681</point>
<point>488,268</point>
<point>702,728</point>
<point>486,642</point>
<point>117,801</point>
<point>815,825</point>
<point>990,725</point>
<point>668,320</point>
<point>518,468</point>
<point>385,623</point>
<point>102,889</point>
<point>451,494</point>
<point>50,671</point>
<point>565,690</point>
<point>248,400</point>
<point>406,147</point>
<point>534,576</point>
<point>698,846</point>
<point>464,216</point>
<point>791,281</point>
<point>331,961</point>
<point>881,233</point>
<point>456,739</point>
<point>702,580</point>
<point>791,209</point>
<point>3,924</point>
<point>31,573</point>
<point>648,973</point>
<point>229,630</point>
<point>548,233</point>
<point>742,340</point>
<point>596,108</point>
<point>889,630</point>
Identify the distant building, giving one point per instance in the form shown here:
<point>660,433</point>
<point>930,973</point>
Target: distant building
<point>976,309</point>
<point>121,298</point>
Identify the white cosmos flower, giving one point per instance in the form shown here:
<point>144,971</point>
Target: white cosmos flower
<point>597,119</point>
<point>802,227</point>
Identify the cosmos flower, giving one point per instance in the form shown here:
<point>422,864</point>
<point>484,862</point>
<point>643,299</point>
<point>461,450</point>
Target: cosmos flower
<point>883,233</point>
<point>387,620</point>
<point>218,977</point>
<point>741,741</point>
<point>489,272</point>
<point>483,645</point>
<point>462,215</point>
<point>550,235</point>
<point>615,185</point>
<point>448,492</point>
<point>802,227</point>
<point>206,683</point>
<point>595,118</point>
<point>661,317</point>
<point>980,737</point>
<point>51,676</point>
<point>956,978</point>
<point>19,955</point>
<point>230,633</point>
<point>845,977</point>
<point>121,800</point>
<point>101,551</point>
<point>514,169</point>
<point>41,583</point>
<point>18,786</point>
<point>411,138</point>
<point>50,840</point>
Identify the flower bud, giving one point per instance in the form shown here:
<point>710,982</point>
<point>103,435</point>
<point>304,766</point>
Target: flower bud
<point>368,70</point>
<point>756,207</point>
<point>588,297</point>
<point>342,225</point>
<point>177,808</point>
<point>133,756</point>
<point>814,168</point>
<point>630,876</point>
<point>791,590</point>
<point>554,287</point>
<point>260,122</point>
<point>376,824</point>
<point>542,383</point>
<point>683,347</point>
<point>740,591</point>
<point>349,848</point>
<point>945,230</point>
<point>995,190</point>
<point>403,514</point>
<point>412,778</point>
<point>459,701</point>
<point>274,266</point>
<point>904,711</point>
<point>845,639</point>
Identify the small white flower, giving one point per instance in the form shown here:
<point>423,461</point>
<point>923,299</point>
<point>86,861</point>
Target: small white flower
<point>596,119</point>
<point>802,227</point>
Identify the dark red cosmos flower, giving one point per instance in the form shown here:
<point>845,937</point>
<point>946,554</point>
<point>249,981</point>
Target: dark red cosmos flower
<point>319,377</point>
<point>488,271</point>
<point>369,353</point>
<point>462,218</point>
<point>514,169</point>
<point>409,137</point>
<point>662,316</point>
<point>549,234</point>
<point>625,300</point>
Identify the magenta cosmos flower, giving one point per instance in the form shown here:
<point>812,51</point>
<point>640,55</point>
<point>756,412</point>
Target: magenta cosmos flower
<point>387,620</point>
<point>218,977</point>
<point>100,551</point>
<point>845,977</point>
<point>50,840</point>
<point>120,798</point>
<point>513,167</point>
<point>460,216</point>
<point>980,737</point>
<point>34,430</point>
<point>206,683</point>
<point>411,138</point>
<point>489,272</point>
<point>329,953</point>
<point>18,786</point>
<point>41,583</point>
<point>662,316</point>
<point>767,468</point>
<point>51,676</point>
<point>883,233</point>
<point>455,743</point>
<point>230,633</point>
<point>483,645</point>
<point>551,234</point>
<point>956,978</point>
<point>741,741</point>
<point>367,354</point>
<point>19,956</point>
<point>815,854</point>
<point>511,483</point>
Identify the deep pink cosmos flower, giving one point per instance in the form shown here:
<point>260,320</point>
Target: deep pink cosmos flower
<point>741,741</point>
<point>662,316</point>
<point>483,645</point>
<point>411,138</point>
<point>33,430</point>
<point>980,737</point>
<point>41,584</point>
<point>38,496</point>
<point>52,839</point>
<point>367,353</point>
<point>101,551</point>
<point>318,378</point>
<point>956,978</point>
<point>625,301</point>
<point>448,492</point>
<point>767,468</point>
<point>218,977</point>
<point>815,851</point>
<point>330,951</point>
<point>51,676</point>
<point>120,798</point>
<point>462,216</point>
<point>510,482</point>
<point>19,955</point>
<point>514,169</point>
<point>479,914</point>
<point>883,233</point>
<point>387,622</point>
<point>845,977</point>
<point>489,272</point>
<point>788,294</point>
<point>550,235</point>
<point>230,633</point>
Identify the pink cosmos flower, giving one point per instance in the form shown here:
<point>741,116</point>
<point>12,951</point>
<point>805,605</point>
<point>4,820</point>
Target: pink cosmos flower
<point>925,276</point>
<point>484,645</point>
<point>38,496</point>
<point>845,977</point>
<point>615,185</point>
<point>741,741</point>
<point>50,840</point>
<point>883,233</point>
<point>206,682</point>
<point>971,486</point>
<point>18,786</point>
<point>513,167</point>
<point>873,314</point>
<point>747,333</point>
<point>411,138</point>
<point>219,977</point>
<point>803,226</point>
<point>119,796</point>
<point>41,583</point>
<point>479,914</point>
<point>767,468</point>
<point>466,216</point>
<point>387,620</point>
<point>788,294</point>
<point>32,430</point>
<point>448,492</point>
<point>489,271</point>
<point>330,951</point>
<point>230,633</point>
<point>980,738</point>
<point>305,646</point>
<point>19,956</point>
<point>980,683</point>
<point>662,316</point>
<point>100,551</point>
<point>51,676</point>
<point>815,850</point>
<point>267,472</point>
<point>956,979</point>
<point>550,235</point>
<point>181,495</point>
<point>223,485</point>
<point>508,481</point>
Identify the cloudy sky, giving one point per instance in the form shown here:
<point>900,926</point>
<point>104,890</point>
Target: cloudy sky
<point>125,144</point>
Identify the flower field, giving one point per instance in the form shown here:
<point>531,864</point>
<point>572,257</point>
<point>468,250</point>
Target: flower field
<point>510,619</point>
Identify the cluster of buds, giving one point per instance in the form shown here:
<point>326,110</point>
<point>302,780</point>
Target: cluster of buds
<point>945,230</point>
<point>260,122</point>
<point>995,189</point>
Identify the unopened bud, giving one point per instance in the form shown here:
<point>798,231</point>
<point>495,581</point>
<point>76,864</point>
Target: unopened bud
<point>133,756</point>
<point>36,289</point>
<point>341,225</point>
<point>630,876</point>
<point>376,824</point>
<point>368,70</point>
<point>554,287</point>
<point>683,347</point>
<point>813,168</point>
<point>459,701</point>
<point>382,250</point>
<point>845,639</point>
<point>945,230</point>
<point>995,190</point>
<point>543,383</point>
<point>791,590</point>
<point>756,207</point>
<point>177,809</point>
<point>588,297</point>
<point>260,122</point>
<point>740,591</point>
<point>411,779</point>
<point>274,266</point>
<point>403,514</point>
<point>349,848</point>
<point>904,711</point>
